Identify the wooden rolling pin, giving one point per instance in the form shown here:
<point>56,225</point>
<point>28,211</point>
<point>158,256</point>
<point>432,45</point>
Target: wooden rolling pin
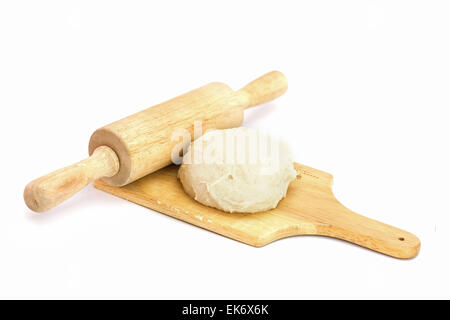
<point>135,146</point>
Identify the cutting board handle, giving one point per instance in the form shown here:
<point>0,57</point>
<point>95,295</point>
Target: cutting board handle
<point>265,88</point>
<point>50,190</point>
<point>350,226</point>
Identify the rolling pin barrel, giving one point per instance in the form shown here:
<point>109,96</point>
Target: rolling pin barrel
<point>140,144</point>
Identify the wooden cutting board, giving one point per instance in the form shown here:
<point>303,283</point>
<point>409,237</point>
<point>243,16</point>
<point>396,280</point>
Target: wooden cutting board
<point>309,208</point>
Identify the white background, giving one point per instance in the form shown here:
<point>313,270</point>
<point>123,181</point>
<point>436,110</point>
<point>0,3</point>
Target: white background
<point>368,101</point>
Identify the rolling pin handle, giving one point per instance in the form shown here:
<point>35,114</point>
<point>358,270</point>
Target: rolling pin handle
<point>265,88</point>
<point>44,193</point>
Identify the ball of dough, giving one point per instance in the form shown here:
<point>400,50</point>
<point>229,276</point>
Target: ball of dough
<point>237,170</point>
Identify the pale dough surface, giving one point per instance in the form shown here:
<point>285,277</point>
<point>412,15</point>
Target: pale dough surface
<point>233,171</point>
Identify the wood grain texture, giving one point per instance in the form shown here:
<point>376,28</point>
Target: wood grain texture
<point>264,89</point>
<point>50,190</point>
<point>309,208</point>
